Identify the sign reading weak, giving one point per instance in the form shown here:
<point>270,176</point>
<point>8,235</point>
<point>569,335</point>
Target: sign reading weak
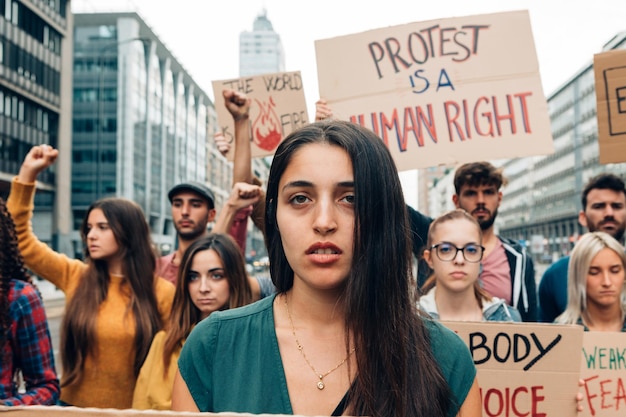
<point>278,108</point>
<point>610,74</point>
<point>524,370</point>
<point>443,91</point>
<point>603,368</point>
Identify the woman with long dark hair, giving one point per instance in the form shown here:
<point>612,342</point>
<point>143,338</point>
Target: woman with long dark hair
<point>212,277</point>
<point>25,344</point>
<point>114,302</point>
<point>343,335</point>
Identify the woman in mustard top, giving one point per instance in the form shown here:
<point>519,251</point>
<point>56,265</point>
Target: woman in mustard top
<point>211,277</point>
<point>114,302</point>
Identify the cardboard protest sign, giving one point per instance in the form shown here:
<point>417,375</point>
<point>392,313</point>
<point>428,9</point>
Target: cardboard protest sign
<point>278,108</point>
<point>610,73</point>
<point>524,370</point>
<point>442,91</point>
<point>603,368</point>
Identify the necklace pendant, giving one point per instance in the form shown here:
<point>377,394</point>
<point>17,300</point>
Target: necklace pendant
<point>320,385</point>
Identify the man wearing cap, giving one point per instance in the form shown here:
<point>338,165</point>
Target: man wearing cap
<point>193,203</point>
<point>193,208</point>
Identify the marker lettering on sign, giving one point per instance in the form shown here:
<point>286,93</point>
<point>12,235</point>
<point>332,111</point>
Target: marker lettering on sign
<point>292,121</point>
<point>420,83</point>
<point>242,85</point>
<point>605,394</point>
<point>420,46</point>
<point>487,117</point>
<point>505,347</point>
<point>413,123</point>
<point>283,82</point>
<point>463,119</point>
<point>513,402</point>
<point>605,358</point>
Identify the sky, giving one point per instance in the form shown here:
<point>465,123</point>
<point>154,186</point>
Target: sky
<point>203,35</point>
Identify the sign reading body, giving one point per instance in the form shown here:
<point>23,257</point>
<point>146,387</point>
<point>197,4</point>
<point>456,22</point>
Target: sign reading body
<point>524,370</point>
<point>278,108</point>
<point>610,72</point>
<point>441,92</point>
<point>603,369</point>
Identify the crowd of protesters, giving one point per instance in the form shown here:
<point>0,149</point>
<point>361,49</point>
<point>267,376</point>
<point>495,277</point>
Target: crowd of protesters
<point>192,331</point>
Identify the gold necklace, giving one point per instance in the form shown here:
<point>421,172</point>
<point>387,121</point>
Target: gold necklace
<point>320,383</point>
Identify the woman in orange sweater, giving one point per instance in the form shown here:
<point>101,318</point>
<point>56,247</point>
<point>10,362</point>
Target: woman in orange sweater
<point>114,302</point>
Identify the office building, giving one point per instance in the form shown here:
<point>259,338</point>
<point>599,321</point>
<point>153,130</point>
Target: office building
<point>542,200</point>
<point>36,105</point>
<point>260,51</point>
<point>543,196</point>
<point>140,122</point>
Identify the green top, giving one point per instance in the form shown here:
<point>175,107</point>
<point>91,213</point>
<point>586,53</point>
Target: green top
<point>231,362</point>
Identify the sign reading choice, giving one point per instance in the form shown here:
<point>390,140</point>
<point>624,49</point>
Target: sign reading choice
<point>443,91</point>
<point>278,107</point>
<point>524,370</point>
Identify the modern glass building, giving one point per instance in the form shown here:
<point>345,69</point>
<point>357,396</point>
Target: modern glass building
<point>542,200</point>
<point>140,122</point>
<point>260,51</point>
<point>35,105</point>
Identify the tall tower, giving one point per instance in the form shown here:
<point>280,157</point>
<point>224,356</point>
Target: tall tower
<point>260,51</point>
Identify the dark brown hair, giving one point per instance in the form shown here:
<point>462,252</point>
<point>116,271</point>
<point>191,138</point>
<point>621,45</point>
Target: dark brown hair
<point>11,267</point>
<point>398,374</point>
<point>476,174</point>
<point>184,312</point>
<point>132,234</point>
<point>604,181</point>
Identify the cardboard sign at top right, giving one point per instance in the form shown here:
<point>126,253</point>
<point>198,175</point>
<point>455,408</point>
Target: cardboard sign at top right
<point>610,73</point>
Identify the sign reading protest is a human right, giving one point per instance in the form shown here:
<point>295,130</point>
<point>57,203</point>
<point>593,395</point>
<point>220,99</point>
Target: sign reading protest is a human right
<point>603,369</point>
<point>443,91</point>
<point>524,370</point>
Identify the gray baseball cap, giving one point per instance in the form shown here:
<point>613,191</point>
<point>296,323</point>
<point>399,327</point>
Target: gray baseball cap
<point>195,187</point>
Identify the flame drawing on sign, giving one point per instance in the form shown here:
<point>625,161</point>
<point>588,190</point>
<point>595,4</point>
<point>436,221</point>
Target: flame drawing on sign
<point>266,127</point>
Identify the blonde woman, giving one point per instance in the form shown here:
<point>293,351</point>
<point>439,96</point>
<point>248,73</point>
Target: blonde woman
<point>596,290</point>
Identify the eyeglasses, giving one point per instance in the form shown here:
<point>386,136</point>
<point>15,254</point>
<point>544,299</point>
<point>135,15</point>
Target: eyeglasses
<point>447,252</point>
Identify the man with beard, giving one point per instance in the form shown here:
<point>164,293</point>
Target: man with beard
<point>507,270</point>
<point>193,203</point>
<point>193,208</point>
<point>604,209</point>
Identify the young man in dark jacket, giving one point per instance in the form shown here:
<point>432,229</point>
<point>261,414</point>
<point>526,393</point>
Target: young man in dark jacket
<point>507,269</point>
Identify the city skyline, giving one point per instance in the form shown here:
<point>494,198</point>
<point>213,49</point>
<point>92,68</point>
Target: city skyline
<point>566,33</point>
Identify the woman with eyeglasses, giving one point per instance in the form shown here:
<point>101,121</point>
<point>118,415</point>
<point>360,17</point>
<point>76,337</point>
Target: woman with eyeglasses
<point>453,291</point>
